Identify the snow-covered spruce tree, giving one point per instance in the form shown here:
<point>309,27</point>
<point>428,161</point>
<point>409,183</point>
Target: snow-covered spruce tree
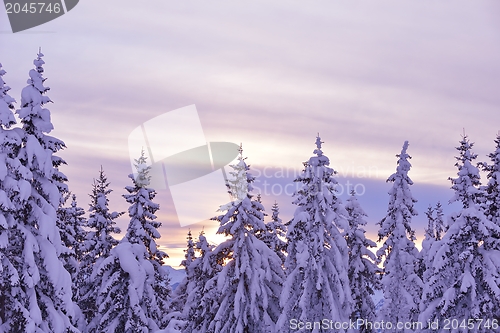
<point>401,285</point>
<point>362,271</point>
<point>71,221</point>
<point>6,103</point>
<point>237,184</point>
<point>250,281</point>
<point>492,195</point>
<point>425,263</point>
<point>467,184</point>
<point>97,245</point>
<point>41,284</point>
<point>181,293</point>
<point>274,234</point>
<point>491,205</point>
<point>439,221</point>
<point>200,306</point>
<point>317,285</point>
<point>465,280</point>
<point>131,285</point>
<point>190,255</point>
<point>12,303</point>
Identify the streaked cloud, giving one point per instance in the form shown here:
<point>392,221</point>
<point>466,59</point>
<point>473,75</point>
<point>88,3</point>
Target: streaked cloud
<point>366,75</point>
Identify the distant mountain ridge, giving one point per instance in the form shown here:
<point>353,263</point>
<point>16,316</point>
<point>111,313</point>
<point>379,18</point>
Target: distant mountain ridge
<point>176,275</point>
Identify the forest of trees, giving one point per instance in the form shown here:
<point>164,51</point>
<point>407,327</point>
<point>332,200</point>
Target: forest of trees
<point>63,271</point>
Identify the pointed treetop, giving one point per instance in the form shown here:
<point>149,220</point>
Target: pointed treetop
<point>6,103</point>
<point>404,149</point>
<point>36,79</point>
<point>439,221</point>
<point>318,151</point>
<point>403,164</point>
<point>465,150</point>
<point>275,209</point>
<point>239,183</point>
<point>318,141</point>
<point>240,150</point>
<point>38,62</point>
<point>430,230</point>
<point>466,185</point>
<point>143,178</point>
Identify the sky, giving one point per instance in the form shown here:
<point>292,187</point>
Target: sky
<point>364,75</point>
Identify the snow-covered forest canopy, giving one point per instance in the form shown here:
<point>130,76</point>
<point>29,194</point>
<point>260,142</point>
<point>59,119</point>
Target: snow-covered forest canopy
<point>63,270</point>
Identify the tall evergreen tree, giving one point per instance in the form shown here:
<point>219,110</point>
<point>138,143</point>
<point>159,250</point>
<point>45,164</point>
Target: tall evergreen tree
<point>491,205</point>
<point>492,200</point>
<point>274,234</point>
<point>190,254</point>
<point>200,306</point>
<point>132,286</point>
<point>12,303</point>
<point>401,284</point>
<point>71,222</point>
<point>39,295</point>
<point>181,293</point>
<point>317,285</point>
<point>425,263</point>
<point>439,221</point>
<point>7,107</point>
<point>464,284</point>
<point>362,271</point>
<point>98,244</point>
<point>250,281</point>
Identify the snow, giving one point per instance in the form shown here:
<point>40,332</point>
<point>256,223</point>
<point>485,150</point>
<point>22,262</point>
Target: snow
<point>316,285</point>
<point>58,277</point>
<point>401,284</point>
<point>176,275</point>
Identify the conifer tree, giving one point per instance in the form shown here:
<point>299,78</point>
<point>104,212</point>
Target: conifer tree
<point>37,287</point>
<point>491,206</point>
<point>12,303</point>
<point>274,234</point>
<point>98,244</point>
<point>190,255</point>
<point>464,284</point>
<point>132,285</point>
<point>73,236</point>
<point>6,103</point>
<point>492,203</point>
<point>401,284</point>
<point>237,185</point>
<point>425,263</point>
<point>250,281</point>
<point>439,221</point>
<point>181,292</point>
<point>467,185</point>
<point>317,284</point>
<point>202,298</point>
<point>362,269</point>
